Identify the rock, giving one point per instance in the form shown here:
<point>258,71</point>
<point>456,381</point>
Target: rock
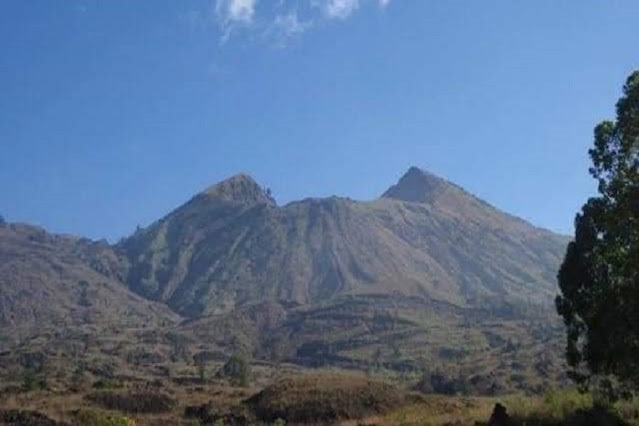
<point>499,417</point>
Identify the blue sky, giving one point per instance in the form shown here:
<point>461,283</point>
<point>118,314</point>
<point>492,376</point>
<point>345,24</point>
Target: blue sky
<point>114,112</point>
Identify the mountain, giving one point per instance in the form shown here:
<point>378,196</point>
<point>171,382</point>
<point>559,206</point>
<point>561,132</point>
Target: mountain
<point>425,275</point>
<point>52,282</point>
<point>231,246</point>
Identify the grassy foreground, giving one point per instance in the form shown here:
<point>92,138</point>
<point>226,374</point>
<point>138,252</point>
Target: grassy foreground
<point>324,398</point>
<point>557,407</point>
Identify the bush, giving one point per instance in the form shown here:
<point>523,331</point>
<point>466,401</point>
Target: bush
<point>31,382</point>
<point>207,414</point>
<point>135,402</point>
<point>562,403</point>
<point>107,384</point>
<point>25,418</point>
<point>237,370</point>
<point>325,398</point>
<point>96,418</point>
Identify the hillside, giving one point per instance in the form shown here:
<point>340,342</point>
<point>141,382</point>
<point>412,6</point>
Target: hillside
<point>51,282</point>
<point>425,278</point>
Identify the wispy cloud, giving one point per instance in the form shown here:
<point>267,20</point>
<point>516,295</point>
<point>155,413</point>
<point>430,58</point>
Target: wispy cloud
<point>341,9</point>
<point>236,10</point>
<point>233,13</point>
<point>286,26</point>
<point>278,21</point>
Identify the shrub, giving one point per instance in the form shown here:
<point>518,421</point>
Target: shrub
<point>96,418</point>
<point>107,384</point>
<point>207,414</point>
<point>31,382</point>
<point>135,402</point>
<point>237,370</point>
<point>561,403</point>
<point>325,398</point>
<point>25,418</point>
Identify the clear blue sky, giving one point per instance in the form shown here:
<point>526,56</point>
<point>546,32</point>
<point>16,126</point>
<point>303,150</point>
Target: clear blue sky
<point>114,112</point>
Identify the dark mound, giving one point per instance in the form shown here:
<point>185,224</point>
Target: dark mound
<point>323,399</point>
<point>135,402</point>
<point>25,418</point>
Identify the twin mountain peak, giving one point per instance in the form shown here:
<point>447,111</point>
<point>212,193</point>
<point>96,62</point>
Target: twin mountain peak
<point>231,246</point>
<point>425,266</point>
<point>416,185</point>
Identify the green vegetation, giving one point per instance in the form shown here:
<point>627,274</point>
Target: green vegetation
<point>134,402</point>
<point>599,278</point>
<point>31,381</point>
<point>237,370</point>
<point>98,418</point>
<point>84,294</point>
<point>105,384</point>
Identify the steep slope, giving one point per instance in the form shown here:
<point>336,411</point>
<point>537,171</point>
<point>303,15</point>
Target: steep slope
<point>52,282</point>
<point>231,246</point>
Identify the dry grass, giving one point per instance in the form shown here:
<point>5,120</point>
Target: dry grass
<point>326,398</point>
<point>566,407</point>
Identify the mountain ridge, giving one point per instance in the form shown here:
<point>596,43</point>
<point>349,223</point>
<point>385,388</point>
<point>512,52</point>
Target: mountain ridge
<point>316,247</point>
<point>424,271</point>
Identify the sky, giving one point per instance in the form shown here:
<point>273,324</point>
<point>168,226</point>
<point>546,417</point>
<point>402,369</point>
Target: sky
<point>114,112</point>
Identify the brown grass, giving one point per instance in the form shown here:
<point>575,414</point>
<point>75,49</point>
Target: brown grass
<point>325,398</point>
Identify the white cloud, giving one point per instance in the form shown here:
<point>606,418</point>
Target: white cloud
<point>286,26</point>
<point>341,9</point>
<point>280,20</point>
<point>235,11</point>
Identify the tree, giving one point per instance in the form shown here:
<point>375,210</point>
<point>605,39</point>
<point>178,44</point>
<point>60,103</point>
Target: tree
<point>237,370</point>
<point>201,372</point>
<point>84,294</point>
<point>599,277</point>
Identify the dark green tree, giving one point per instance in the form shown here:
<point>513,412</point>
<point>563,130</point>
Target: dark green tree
<point>599,277</point>
<point>237,370</point>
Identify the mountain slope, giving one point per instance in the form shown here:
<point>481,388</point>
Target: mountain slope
<point>231,246</point>
<point>52,282</point>
<point>427,274</point>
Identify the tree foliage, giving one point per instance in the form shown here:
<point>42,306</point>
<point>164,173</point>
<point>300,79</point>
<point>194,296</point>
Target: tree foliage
<point>237,370</point>
<point>599,278</point>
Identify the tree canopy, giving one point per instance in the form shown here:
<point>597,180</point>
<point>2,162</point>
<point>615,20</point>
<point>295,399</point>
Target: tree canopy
<point>599,278</point>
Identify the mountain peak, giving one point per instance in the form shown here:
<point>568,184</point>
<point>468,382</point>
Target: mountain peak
<point>417,185</point>
<point>240,188</point>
